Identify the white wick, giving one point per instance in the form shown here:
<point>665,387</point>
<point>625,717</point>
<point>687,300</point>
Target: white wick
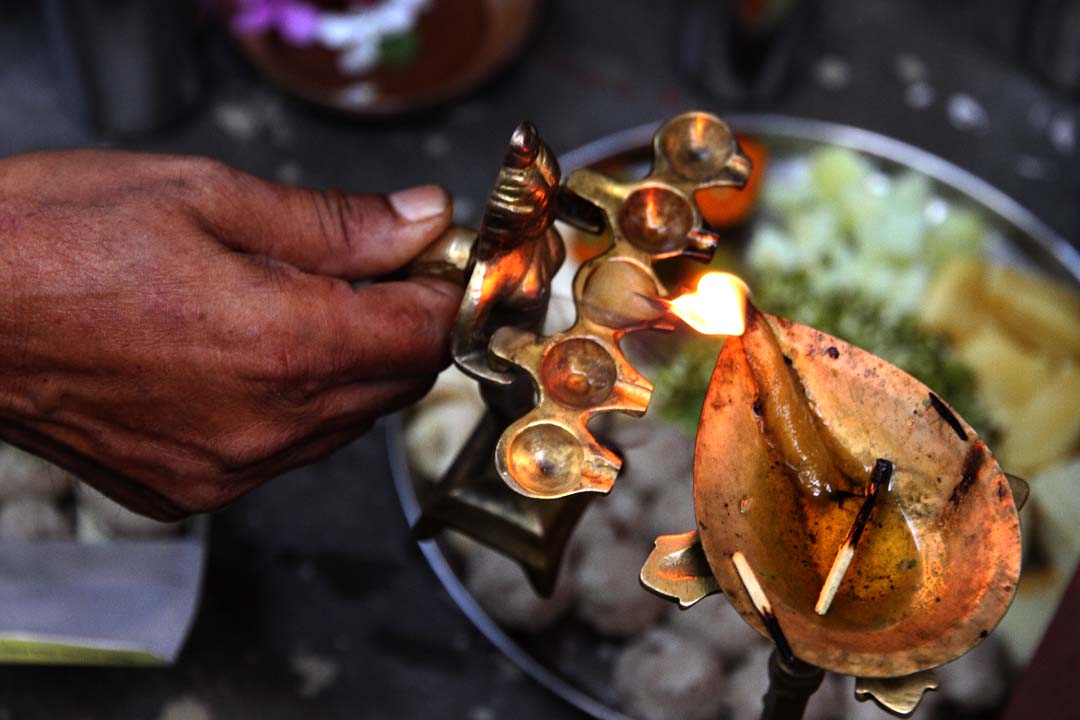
<point>750,582</point>
<point>836,576</point>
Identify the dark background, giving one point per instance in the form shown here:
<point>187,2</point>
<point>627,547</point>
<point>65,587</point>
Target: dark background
<point>319,563</point>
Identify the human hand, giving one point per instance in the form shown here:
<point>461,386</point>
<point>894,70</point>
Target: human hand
<point>175,332</point>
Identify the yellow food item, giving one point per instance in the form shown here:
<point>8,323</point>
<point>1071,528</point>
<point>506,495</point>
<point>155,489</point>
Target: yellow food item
<point>1047,428</point>
<point>1034,310</point>
<point>1007,373</point>
<point>952,301</point>
<point>1020,334</point>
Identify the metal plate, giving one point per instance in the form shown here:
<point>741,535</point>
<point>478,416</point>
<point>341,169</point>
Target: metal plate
<point>1030,242</point>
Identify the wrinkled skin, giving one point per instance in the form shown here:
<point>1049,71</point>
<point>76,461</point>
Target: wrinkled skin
<point>175,332</point>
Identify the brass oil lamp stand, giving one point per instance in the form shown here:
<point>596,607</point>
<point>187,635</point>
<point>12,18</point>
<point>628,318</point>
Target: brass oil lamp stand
<point>943,547</point>
<point>528,471</point>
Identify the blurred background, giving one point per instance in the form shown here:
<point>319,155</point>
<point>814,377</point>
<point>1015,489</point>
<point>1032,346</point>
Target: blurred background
<point>315,600</point>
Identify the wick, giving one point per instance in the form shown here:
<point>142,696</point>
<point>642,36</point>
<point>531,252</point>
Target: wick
<point>658,303</point>
<point>879,478</point>
<point>762,605</point>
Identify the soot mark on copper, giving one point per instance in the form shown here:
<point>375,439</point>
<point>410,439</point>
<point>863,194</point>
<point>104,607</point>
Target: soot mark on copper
<point>972,462</point>
<point>947,415</point>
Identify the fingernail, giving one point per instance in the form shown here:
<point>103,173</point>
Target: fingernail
<point>419,203</point>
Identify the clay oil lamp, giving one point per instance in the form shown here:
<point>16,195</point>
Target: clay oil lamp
<point>842,508</point>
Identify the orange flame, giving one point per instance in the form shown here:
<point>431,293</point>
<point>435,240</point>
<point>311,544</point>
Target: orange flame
<point>716,307</point>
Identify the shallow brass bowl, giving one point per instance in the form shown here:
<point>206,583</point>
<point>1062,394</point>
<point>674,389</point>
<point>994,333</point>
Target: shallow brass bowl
<point>938,566</point>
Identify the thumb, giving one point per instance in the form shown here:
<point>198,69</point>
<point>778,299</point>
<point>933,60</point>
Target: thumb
<point>324,231</point>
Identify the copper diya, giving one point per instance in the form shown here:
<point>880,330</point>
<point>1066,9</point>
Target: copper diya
<point>938,564</point>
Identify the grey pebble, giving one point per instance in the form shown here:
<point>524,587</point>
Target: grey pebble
<point>30,518</point>
<point>919,95</point>
<point>666,676</point>
<point>967,114</point>
<point>833,73</point>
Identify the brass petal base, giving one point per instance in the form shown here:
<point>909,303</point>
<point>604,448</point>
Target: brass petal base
<point>1020,488</point>
<point>677,569</point>
<point>900,695</point>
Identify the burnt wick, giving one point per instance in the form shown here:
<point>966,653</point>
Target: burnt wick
<point>661,305</point>
<point>762,605</point>
<point>879,478</point>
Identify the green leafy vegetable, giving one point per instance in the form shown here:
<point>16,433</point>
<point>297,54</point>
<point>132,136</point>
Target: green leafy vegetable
<point>862,321</point>
<point>681,385</point>
<point>850,250</point>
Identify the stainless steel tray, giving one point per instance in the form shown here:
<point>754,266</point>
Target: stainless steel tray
<point>1030,242</point>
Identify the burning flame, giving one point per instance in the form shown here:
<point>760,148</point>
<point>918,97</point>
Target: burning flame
<point>716,307</point>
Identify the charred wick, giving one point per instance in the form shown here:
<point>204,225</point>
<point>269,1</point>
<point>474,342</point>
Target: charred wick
<point>947,415</point>
<point>772,625</point>
<point>880,477</point>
